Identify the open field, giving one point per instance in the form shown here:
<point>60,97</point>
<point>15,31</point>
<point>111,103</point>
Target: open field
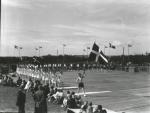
<point>123,92</point>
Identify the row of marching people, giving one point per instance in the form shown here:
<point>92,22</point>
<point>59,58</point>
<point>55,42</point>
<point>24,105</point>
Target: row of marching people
<point>54,78</point>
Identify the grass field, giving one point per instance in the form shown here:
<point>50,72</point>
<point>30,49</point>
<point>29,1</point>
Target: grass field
<point>128,92</point>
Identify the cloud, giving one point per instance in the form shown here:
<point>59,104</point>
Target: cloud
<point>16,4</point>
<point>75,22</point>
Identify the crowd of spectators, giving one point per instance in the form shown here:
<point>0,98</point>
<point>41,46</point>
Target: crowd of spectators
<point>45,92</point>
<point>7,81</point>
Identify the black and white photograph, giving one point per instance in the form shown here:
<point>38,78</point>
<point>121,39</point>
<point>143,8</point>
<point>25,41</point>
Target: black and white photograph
<point>75,56</point>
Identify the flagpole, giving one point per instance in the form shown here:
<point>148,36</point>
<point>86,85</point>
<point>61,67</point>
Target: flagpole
<point>57,59</point>
<point>88,48</point>
<point>123,57</point>
<point>128,54</point>
<point>64,45</point>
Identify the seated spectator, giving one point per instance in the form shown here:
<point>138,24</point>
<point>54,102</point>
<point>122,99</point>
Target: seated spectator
<point>71,102</point>
<point>5,80</point>
<point>79,101</point>
<point>10,82</point>
<point>84,107</point>
<point>90,108</point>
<point>52,91</point>
<point>64,104</point>
<point>19,81</point>
<point>98,109</point>
<point>104,111</point>
<point>58,97</point>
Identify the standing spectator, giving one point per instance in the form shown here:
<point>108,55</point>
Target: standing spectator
<point>19,81</point>
<point>23,84</point>
<point>21,98</point>
<point>28,85</point>
<point>84,107</point>
<point>39,99</point>
<point>46,90</point>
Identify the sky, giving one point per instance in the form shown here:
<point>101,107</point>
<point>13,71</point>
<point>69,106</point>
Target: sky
<point>76,23</point>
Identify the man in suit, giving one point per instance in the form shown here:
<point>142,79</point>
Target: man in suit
<point>21,99</point>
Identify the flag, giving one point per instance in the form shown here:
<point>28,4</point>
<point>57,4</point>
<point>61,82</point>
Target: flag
<point>95,54</point>
<point>36,49</point>
<point>129,45</point>
<point>103,57</point>
<point>16,47</point>
<point>112,46</point>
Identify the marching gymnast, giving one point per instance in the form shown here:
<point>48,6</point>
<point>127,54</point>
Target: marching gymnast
<point>81,82</point>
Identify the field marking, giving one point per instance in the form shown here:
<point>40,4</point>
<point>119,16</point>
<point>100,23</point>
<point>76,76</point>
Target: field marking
<point>90,93</point>
<point>67,88</point>
<point>144,88</point>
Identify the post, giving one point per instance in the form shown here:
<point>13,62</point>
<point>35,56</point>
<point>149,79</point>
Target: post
<point>57,59</point>
<point>39,50</point>
<point>64,45</point>
<point>123,58</point>
<point>128,54</point>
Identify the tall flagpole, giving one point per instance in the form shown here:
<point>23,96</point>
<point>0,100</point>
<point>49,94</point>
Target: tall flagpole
<point>57,59</point>
<point>123,57</point>
<point>128,54</point>
<point>64,45</point>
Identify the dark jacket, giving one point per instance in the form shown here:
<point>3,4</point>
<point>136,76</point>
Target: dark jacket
<point>40,105</point>
<point>21,98</point>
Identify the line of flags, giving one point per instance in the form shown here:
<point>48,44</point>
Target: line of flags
<point>17,47</point>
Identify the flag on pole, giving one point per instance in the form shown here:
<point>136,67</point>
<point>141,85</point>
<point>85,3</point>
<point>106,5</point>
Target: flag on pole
<point>129,45</point>
<point>103,57</point>
<point>112,46</point>
<point>95,54</point>
<point>16,47</point>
